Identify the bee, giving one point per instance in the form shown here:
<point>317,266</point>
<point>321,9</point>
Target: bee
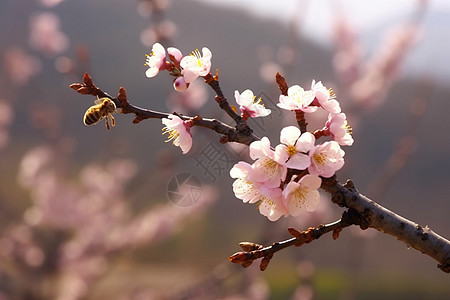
<point>103,108</point>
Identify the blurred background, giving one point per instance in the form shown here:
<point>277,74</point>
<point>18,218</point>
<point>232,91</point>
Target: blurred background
<point>87,213</point>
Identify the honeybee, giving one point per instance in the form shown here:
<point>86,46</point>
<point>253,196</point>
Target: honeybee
<point>103,108</point>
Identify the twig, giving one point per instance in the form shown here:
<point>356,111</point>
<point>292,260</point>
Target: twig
<point>363,212</point>
<point>369,214</point>
<point>253,251</point>
<point>380,218</point>
<point>299,115</point>
<point>239,135</point>
<point>241,125</point>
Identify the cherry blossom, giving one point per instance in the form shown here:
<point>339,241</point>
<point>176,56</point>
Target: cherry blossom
<point>294,145</point>
<point>46,35</point>
<point>302,195</point>
<point>179,132</point>
<point>266,168</point>
<point>326,159</point>
<point>339,129</point>
<point>243,187</point>
<point>175,54</point>
<point>325,97</point>
<point>249,106</point>
<point>196,65</point>
<point>271,204</point>
<point>298,99</point>
<point>155,60</point>
<point>269,199</point>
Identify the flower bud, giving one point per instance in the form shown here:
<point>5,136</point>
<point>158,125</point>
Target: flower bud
<point>180,85</point>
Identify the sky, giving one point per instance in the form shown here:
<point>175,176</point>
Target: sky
<point>364,14</point>
<point>369,17</point>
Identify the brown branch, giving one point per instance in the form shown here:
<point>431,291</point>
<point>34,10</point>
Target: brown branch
<point>380,218</point>
<point>363,212</point>
<point>239,134</point>
<point>301,120</point>
<point>253,251</point>
<point>367,212</point>
<point>213,82</point>
<point>299,115</point>
<point>282,85</point>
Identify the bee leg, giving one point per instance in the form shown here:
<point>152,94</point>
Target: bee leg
<point>113,121</point>
<point>107,122</point>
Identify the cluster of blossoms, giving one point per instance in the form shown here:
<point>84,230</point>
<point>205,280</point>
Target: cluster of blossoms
<point>186,69</point>
<point>283,180</point>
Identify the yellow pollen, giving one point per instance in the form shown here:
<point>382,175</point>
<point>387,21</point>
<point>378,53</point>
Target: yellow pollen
<point>291,150</point>
<point>347,128</point>
<point>197,55</point>
<point>300,195</point>
<point>270,202</point>
<point>173,134</point>
<point>270,164</point>
<point>266,201</point>
<point>320,158</point>
<point>332,94</point>
<point>257,101</point>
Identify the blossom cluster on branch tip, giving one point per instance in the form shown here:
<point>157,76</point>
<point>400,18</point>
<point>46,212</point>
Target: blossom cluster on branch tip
<point>185,69</point>
<point>285,180</point>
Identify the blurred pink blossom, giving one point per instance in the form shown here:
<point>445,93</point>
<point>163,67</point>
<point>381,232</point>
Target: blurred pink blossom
<point>382,70</point>
<point>349,53</point>
<point>190,100</point>
<point>147,7</point>
<point>165,30</point>
<point>46,35</point>
<point>6,117</point>
<point>366,83</point>
<point>20,66</point>
<point>95,213</point>
<point>50,3</point>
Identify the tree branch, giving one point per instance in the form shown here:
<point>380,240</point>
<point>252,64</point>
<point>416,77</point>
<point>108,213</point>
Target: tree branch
<point>239,134</point>
<point>253,251</point>
<point>363,211</point>
<point>380,218</point>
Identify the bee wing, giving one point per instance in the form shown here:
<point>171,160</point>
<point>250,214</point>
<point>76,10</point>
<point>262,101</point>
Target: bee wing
<point>100,100</point>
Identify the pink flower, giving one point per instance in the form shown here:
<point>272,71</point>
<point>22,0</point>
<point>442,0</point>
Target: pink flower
<point>339,129</point>
<point>271,204</point>
<point>243,187</point>
<point>46,35</point>
<point>266,168</point>
<point>249,107</point>
<point>302,195</point>
<point>298,99</point>
<point>326,159</point>
<point>155,60</point>
<point>325,97</point>
<point>294,145</point>
<point>175,54</point>
<point>269,200</point>
<point>195,65</point>
<point>179,132</point>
